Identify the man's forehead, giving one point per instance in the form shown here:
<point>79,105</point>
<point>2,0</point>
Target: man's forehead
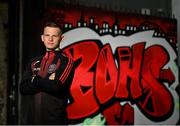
<point>48,27</point>
<point>52,29</point>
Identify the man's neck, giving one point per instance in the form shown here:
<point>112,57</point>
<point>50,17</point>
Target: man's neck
<point>56,49</point>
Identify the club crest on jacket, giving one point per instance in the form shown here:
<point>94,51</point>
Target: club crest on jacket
<point>52,68</point>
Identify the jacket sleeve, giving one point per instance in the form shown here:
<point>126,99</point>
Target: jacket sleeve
<point>55,87</point>
<point>26,85</point>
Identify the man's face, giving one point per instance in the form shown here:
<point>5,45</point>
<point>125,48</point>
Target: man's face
<point>51,37</point>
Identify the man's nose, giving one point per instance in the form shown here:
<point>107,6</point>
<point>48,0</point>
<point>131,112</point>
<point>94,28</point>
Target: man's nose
<point>50,38</point>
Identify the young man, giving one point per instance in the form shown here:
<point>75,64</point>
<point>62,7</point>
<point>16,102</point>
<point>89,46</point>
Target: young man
<point>46,82</point>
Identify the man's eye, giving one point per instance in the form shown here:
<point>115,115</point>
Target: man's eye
<point>55,36</point>
<point>46,35</point>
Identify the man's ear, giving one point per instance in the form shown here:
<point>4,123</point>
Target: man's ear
<point>61,37</point>
<point>42,38</point>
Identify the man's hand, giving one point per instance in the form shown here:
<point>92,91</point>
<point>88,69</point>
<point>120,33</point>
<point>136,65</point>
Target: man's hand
<point>52,76</point>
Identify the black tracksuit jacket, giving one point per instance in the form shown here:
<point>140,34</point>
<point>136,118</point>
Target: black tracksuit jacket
<point>44,101</point>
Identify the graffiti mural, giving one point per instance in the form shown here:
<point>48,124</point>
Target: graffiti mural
<point>126,66</point>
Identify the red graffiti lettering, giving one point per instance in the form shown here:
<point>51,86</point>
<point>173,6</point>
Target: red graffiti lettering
<point>157,103</point>
<point>106,75</point>
<point>84,103</point>
<point>138,77</point>
<point>167,76</point>
<point>119,115</point>
<point>130,63</point>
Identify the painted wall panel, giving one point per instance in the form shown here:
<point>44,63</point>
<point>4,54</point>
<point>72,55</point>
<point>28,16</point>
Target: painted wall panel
<point>126,66</point>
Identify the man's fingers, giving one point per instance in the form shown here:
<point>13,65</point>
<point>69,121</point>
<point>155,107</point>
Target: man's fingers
<point>52,76</point>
